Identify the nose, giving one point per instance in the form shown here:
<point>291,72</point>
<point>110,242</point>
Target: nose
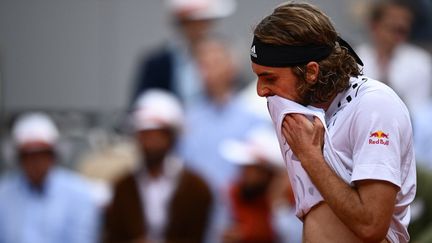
<point>262,90</point>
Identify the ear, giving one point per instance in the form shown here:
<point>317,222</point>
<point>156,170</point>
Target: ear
<point>312,71</point>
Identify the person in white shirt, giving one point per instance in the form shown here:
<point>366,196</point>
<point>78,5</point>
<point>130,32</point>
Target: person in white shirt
<point>389,58</point>
<point>354,171</point>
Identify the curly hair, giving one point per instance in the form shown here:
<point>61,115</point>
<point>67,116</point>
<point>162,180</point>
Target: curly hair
<point>303,24</point>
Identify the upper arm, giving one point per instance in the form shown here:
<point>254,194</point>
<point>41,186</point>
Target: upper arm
<point>379,197</point>
<point>380,136</point>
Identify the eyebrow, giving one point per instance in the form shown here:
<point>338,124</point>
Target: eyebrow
<point>264,74</point>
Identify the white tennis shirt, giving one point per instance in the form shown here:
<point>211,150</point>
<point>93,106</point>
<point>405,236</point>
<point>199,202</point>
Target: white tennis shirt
<point>370,131</point>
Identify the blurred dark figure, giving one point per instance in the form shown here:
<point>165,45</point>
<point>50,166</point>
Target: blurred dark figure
<point>389,58</point>
<point>172,67</point>
<point>163,201</point>
<point>422,26</point>
<point>216,116</point>
<point>259,191</point>
<point>41,202</point>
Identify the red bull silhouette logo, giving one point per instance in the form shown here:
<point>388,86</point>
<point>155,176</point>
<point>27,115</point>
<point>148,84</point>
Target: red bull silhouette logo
<point>379,137</point>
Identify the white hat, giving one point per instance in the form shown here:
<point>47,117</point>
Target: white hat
<point>201,9</point>
<point>34,128</point>
<point>155,109</point>
<point>260,145</point>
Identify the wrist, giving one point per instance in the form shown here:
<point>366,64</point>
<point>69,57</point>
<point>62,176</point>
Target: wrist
<point>311,160</point>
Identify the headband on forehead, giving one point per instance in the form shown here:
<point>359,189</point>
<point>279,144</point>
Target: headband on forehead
<point>289,56</point>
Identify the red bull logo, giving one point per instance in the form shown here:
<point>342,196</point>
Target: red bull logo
<point>379,137</point>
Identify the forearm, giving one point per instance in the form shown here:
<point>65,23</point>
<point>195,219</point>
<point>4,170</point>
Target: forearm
<point>345,201</point>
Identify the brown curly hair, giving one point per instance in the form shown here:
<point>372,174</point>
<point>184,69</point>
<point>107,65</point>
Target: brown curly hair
<point>302,24</point>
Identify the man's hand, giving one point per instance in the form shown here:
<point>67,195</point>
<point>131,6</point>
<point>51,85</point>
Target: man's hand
<point>365,208</point>
<point>305,137</point>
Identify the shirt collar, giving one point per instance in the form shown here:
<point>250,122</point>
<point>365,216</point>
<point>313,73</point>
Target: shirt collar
<point>172,166</point>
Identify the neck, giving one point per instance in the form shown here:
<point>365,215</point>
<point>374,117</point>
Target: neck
<point>220,97</point>
<point>155,172</point>
<point>325,105</point>
<point>384,51</point>
<point>154,166</point>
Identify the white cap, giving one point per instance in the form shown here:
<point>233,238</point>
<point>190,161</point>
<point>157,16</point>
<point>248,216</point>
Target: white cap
<point>201,9</point>
<point>34,128</point>
<point>156,109</point>
<point>260,145</point>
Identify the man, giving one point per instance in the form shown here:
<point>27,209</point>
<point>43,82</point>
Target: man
<point>261,196</point>
<point>172,67</point>
<point>41,202</point>
<point>214,117</point>
<point>298,57</point>
<point>163,201</point>
<point>389,58</point>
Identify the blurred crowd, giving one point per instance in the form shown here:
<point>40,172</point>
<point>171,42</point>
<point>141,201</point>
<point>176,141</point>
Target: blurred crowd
<point>194,158</point>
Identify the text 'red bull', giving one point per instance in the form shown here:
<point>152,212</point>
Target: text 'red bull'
<point>379,137</point>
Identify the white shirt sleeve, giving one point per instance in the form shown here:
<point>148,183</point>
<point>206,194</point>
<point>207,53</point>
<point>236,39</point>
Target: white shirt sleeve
<point>379,127</point>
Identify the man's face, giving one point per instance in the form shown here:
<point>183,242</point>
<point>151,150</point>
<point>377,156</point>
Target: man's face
<point>254,181</point>
<point>155,144</point>
<point>194,30</point>
<point>277,81</point>
<point>36,164</point>
<point>215,65</point>
<point>394,26</point>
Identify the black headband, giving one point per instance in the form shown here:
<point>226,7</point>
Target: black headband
<point>289,56</point>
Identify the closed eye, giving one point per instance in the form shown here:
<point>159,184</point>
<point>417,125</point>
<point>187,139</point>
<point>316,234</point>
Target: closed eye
<point>270,79</point>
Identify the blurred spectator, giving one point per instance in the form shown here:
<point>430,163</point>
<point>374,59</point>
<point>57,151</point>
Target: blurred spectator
<point>261,195</point>
<point>163,201</point>
<point>218,115</point>
<point>404,67</point>
<point>421,120</point>
<point>172,67</point>
<point>41,202</point>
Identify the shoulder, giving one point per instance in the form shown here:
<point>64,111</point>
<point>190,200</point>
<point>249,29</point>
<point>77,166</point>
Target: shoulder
<point>373,101</point>
<point>8,182</point>
<point>370,93</point>
<point>159,55</point>
<point>71,183</point>
<point>190,177</point>
<point>193,182</point>
<point>125,182</point>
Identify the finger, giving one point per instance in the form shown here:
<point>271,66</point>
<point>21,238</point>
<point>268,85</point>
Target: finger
<point>318,125</point>
<point>288,121</point>
<point>289,118</point>
<point>297,116</point>
<point>286,131</point>
<point>317,122</point>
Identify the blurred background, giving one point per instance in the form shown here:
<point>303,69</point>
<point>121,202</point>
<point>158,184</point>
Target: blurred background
<point>85,63</point>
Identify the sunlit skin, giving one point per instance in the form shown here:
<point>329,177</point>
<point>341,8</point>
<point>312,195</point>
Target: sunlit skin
<point>349,214</point>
